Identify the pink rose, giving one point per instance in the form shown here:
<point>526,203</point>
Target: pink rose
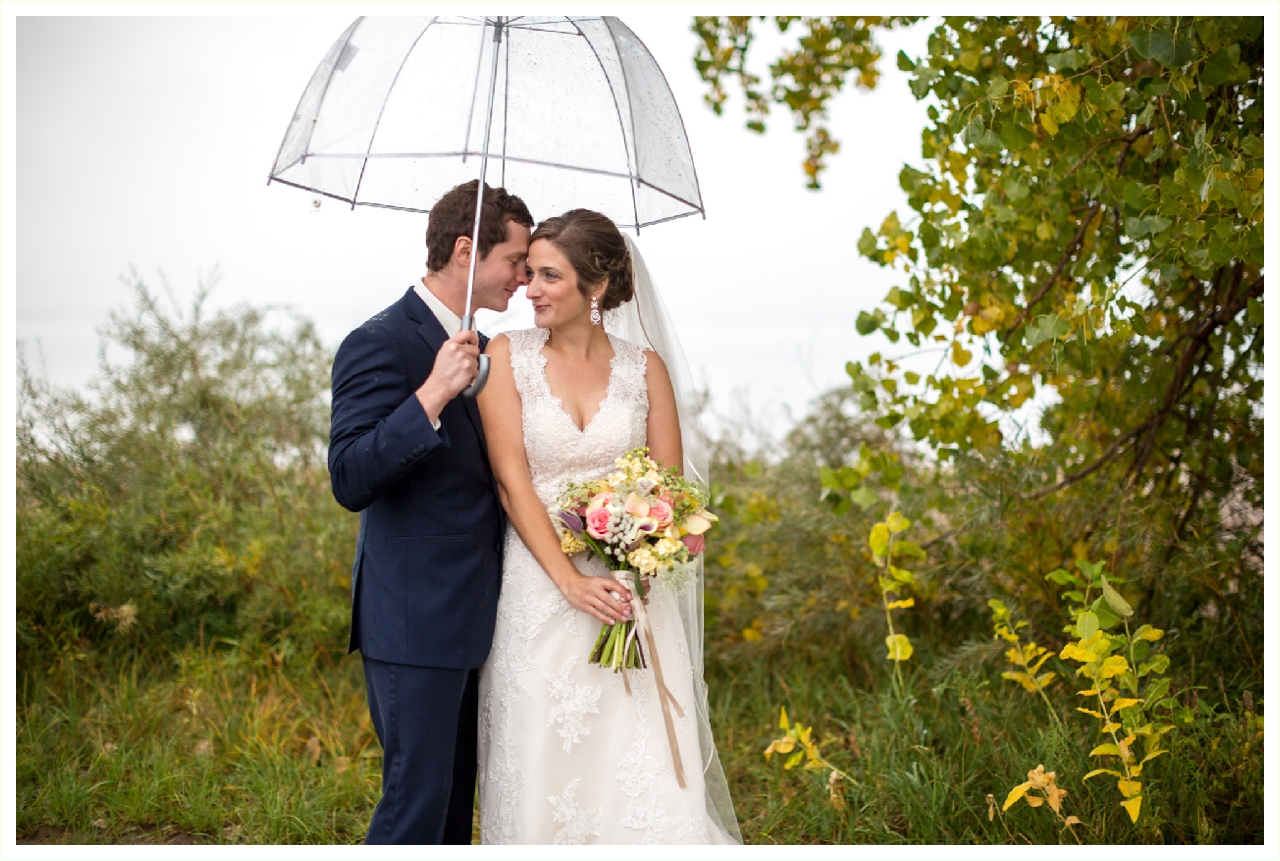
<point>598,523</point>
<point>600,500</point>
<point>661,512</point>
<point>695,543</point>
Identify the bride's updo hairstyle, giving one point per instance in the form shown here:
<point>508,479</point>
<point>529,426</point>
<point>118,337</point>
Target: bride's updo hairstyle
<point>595,249</point>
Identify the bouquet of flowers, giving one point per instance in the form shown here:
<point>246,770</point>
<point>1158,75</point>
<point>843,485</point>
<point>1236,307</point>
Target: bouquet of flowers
<point>641,520</point>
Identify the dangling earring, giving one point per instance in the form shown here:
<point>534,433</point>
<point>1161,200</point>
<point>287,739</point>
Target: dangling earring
<point>595,312</point>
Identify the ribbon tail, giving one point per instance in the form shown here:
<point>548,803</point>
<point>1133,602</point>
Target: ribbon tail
<point>665,699</point>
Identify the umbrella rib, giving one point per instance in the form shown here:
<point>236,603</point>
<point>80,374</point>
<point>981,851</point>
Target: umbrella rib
<point>475,89</point>
<point>506,102</point>
<point>351,31</point>
<point>373,134</point>
<point>516,159</point>
<point>634,168</point>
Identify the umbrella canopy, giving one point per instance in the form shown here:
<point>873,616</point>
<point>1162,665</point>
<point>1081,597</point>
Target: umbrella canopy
<point>582,116</point>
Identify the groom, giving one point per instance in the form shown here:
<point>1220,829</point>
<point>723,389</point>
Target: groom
<point>408,453</point>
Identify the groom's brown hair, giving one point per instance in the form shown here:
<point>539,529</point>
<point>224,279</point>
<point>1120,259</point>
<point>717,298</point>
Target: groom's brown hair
<point>454,215</point>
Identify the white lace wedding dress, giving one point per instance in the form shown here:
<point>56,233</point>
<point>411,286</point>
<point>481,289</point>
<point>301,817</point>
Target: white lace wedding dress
<point>566,755</point>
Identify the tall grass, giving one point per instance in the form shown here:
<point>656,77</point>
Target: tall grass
<point>183,610</point>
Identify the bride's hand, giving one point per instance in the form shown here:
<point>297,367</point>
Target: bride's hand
<point>595,595</point>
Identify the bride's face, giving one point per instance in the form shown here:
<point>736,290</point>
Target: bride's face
<point>553,288</point>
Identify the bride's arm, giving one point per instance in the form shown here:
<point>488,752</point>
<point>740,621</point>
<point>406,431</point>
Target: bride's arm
<point>500,411</point>
<point>664,420</point>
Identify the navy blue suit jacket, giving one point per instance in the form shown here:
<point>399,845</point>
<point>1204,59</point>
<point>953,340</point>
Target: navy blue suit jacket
<point>428,563</point>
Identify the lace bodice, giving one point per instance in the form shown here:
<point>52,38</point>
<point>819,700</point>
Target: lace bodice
<point>556,450</point>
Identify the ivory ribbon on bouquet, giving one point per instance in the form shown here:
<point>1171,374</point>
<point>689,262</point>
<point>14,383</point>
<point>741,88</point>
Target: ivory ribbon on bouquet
<point>664,693</point>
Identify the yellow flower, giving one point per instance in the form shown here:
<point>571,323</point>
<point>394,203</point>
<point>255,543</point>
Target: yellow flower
<point>667,547</point>
<point>571,543</point>
<point>644,560</point>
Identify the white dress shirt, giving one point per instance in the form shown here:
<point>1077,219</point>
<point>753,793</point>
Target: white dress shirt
<point>449,321</point>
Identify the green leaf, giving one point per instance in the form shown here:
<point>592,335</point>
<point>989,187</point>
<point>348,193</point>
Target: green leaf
<point>1118,605</point>
<point>1218,68</point>
<point>997,87</point>
<point>1061,576</point>
<point>1158,664</point>
<point>906,548</point>
<point>989,143</point>
<point>1106,618</point>
<point>866,323</point>
<point>1156,691</point>
<point>905,63</point>
<point>864,497</point>
<point>867,246</point>
<point>973,130</point>
<point>1053,326</point>
<point>1086,625</point>
<point>1015,137</point>
<point>1161,46</point>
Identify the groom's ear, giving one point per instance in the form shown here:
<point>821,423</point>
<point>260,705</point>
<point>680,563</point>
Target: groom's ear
<point>461,251</point>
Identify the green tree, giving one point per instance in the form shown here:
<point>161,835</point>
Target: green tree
<point>1085,218</point>
<point>185,496</point>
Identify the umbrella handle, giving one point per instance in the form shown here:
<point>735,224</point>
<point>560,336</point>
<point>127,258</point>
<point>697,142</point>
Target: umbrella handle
<point>482,369</point>
<point>482,377</point>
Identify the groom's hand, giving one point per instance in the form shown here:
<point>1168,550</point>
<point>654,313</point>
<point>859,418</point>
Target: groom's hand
<point>455,369</point>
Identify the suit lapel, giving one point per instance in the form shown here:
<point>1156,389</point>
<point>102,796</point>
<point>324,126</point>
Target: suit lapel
<point>430,330</point>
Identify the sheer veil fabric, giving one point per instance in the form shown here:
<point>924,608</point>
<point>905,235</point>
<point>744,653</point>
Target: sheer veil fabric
<point>644,321</point>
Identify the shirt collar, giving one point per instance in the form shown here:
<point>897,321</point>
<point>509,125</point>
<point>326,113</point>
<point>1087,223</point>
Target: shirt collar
<point>448,320</point>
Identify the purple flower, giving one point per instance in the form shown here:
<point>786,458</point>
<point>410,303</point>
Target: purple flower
<point>571,521</point>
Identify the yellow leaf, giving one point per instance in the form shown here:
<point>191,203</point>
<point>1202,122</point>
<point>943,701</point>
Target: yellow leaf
<point>1035,800</point>
<point>1049,123</point>
<point>780,745</point>
<point>879,540</point>
<point>905,602</point>
<point>900,648</point>
<point>1105,750</point>
<point>1124,703</point>
<point>1098,771</point>
<point>1110,727</point>
<point>1129,788</point>
<point>1132,806</point>
<point>782,721</point>
<point>896,523</point>
<point>751,635</point>
<point>960,355</point>
<point>1090,693</point>
<point>1153,754</point>
<point>1071,820</point>
<point>1114,666</point>
<point>1054,796</point>
<point>1016,793</point>
<point>1090,712</point>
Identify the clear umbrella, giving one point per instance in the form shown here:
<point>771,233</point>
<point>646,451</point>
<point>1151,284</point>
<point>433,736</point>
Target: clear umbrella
<point>574,111</point>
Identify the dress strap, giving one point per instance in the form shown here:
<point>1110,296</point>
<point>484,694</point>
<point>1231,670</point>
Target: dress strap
<point>527,363</point>
<point>627,380</point>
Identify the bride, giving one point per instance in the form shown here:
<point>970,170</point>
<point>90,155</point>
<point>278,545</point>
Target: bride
<point>568,752</point>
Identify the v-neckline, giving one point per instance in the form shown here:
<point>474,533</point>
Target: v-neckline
<point>608,389</point>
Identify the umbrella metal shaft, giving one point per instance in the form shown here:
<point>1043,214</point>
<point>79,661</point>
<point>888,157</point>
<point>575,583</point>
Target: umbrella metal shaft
<point>468,321</point>
<point>484,164</point>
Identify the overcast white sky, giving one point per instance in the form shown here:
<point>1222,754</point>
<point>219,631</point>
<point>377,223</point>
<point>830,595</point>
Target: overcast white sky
<point>146,141</point>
